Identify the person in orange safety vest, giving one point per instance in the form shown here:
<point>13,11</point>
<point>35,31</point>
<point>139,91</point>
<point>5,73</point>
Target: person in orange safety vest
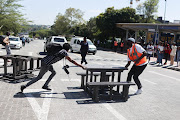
<point>115,45</point>
<point>137,54</point>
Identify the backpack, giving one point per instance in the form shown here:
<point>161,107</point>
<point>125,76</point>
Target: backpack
<point>2,37</point>
<point>53,48</point>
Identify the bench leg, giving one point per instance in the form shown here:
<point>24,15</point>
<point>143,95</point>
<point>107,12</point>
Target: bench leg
<point>95,96</point>
<point>125,92</point>
<point>111,92</point>
<point>82,81</point>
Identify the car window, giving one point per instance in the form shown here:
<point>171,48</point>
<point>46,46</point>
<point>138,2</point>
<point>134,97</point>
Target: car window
<point>58,39</point>
<point>78,42</point>
<point>75,41</point>
<point>13,39</point>
<point>89,42</point>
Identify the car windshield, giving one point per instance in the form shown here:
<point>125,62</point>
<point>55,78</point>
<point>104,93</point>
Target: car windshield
<point>89,42</point>
<point>58,40</point>
<point>13,39</point>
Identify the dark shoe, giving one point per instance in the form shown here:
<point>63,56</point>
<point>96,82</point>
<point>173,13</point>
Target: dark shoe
<point>46,87</point>
<point>22,88</point>
<point>86,63</point>
<point>81,62</point>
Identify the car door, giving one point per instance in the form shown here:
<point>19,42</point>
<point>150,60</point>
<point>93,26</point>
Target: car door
<point>78,45</point>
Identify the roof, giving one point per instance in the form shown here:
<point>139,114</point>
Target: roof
<point>146,26</point>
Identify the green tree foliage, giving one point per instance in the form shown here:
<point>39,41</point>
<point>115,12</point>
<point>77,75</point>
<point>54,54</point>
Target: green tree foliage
<point>147,10</point>
<point>70,20</point>
<point>74,15</point>
<point>11,18</point>
<point>106,22</point>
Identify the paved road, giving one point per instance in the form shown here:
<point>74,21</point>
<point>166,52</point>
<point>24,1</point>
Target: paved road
<point>159,100</point>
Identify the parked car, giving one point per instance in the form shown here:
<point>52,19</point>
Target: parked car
<point>75,45</point>
<point>15,42</point>
<point>55,39</point>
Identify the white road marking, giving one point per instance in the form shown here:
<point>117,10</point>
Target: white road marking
<point>150,81</point>
<point>41,112</point>
<point>30,53</point>
<point>46,79</point>
<point>114,112</point>
<point>164,75</point>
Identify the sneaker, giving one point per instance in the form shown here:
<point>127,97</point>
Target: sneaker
<point>139,91</point>
<point>46,87</point>
<point>22,88</point>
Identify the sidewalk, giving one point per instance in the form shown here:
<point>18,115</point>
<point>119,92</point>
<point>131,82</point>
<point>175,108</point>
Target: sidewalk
<point>167,66</point>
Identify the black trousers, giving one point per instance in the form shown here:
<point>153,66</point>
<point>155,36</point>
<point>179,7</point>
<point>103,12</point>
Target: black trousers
<point>83,55</point>
<point>135,72</point>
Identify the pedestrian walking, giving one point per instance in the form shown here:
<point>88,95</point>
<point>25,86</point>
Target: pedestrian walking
<point>6,40</point>
<point>150,50</point>
<point>178,55</point>
<point>166,52</point>
<point>84,50</point>
<point>23,40</point>
<point>46,65</point>
<point>115,46</point>
<point>137,54</point>
<point>173,52</point>
<point>160,53</point>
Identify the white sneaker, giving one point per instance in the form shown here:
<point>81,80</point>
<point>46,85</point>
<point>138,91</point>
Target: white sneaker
<point>139,91</point>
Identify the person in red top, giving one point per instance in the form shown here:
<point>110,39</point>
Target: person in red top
<point>137,54</point>
<point>167,51</point>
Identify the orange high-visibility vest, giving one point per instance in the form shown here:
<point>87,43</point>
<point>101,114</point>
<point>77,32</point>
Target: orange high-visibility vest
<point>135,55</point>
<point>122,44</point>
<point>115,43</point>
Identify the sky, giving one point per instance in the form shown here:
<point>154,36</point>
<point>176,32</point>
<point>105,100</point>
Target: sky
<point>44,12</point>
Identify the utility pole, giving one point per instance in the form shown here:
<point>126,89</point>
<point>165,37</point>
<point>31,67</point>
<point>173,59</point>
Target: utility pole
<point>165,11</point>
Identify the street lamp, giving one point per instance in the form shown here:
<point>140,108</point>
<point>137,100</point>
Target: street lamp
<point>165,12</point>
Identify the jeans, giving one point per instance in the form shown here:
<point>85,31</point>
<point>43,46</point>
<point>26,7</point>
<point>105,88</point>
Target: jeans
<point>43,70</point>
<point>135,72</point>
<point>160,57</point>
<point>8,50</point>
<point>178,56</point>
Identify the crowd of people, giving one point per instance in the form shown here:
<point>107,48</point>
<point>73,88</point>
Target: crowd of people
<point>163,50</point>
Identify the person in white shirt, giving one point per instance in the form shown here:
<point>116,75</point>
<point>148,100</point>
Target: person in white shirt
<point>173,53</point>
<point>150,49</point>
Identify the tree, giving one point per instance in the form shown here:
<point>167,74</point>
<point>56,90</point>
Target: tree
<point>147,10</point>
<point>65,23</point>
<point>10,17</point>
<point>74,15</point>
<point>106,22</point>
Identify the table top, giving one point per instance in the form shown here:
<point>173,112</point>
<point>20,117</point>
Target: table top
<point>105,68</point>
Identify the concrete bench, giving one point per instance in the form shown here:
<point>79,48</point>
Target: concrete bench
<point>95,74</point>
<point>95,86</point>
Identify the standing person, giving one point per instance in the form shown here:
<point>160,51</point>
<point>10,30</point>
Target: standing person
<point>150,49</point>
<point>137,54</point>
<point>84,50</point>
<point>178,55</point>
<point>23,41</point>
<point>173,53</point>
<point>122,46</point>
<point>6,40</point>
<point>115,46</point>
<point>166,52</point>
<point>160,53</point>
<point>46,65</point>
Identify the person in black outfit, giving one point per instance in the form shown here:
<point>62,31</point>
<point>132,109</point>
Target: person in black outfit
<point>46,65</point>
<point>84,50</point>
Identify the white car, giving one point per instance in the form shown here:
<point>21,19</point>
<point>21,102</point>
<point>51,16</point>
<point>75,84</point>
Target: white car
<point>76,45</point>
<point>15,42</point>
<point>55,39</point>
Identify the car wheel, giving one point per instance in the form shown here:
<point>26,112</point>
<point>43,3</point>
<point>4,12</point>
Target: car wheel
<point>94,53</point>
<point>72,51</point>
